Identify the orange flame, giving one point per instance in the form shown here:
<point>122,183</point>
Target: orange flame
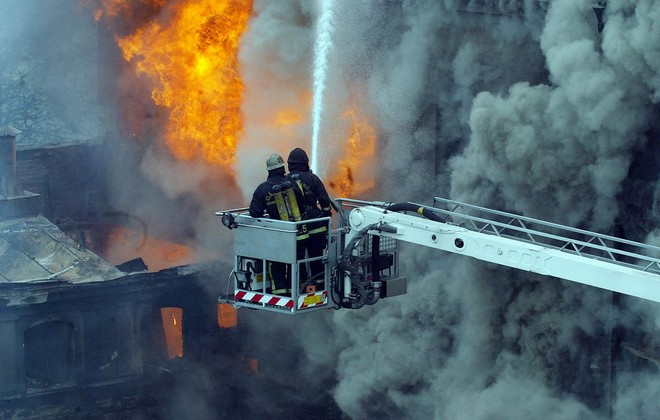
<point>126,244</point>
<point>191,56</point>
<point>188,50</point>
<point>227,315</point>
<point>251,363</point>
<point>173,329</point>
<point>353,175</point>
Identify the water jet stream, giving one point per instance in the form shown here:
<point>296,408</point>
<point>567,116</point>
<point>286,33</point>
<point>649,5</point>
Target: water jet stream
<point>321,49</point>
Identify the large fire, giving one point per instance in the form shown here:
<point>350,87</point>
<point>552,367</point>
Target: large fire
<point>173,328</point>
<point>353,174</point>
<point>189,53</point>
<point>185,54</point>
<point>126,244</point>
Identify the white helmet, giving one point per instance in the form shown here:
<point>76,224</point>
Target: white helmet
<point>274,161</point>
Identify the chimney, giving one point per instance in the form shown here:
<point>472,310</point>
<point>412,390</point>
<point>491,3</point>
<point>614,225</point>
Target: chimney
<point>14,202</point>
<point>8,187</point>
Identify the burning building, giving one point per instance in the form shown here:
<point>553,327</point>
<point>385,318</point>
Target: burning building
<point>547,109</point>
<point>80,335</point>
<point>84,336</point>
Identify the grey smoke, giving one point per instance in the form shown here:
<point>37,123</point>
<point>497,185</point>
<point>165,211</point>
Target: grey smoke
<point>580,130</point>
<point>525,108</point>
<point>276,62</point>
<point>57,66</point>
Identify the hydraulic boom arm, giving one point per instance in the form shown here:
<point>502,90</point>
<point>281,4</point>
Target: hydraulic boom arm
<point>640,278</point>
<point>361,260</point>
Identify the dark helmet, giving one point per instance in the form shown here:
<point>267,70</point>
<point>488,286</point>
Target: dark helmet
<point>297,155</point>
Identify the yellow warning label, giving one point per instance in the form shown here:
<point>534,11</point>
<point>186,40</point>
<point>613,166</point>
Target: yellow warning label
<point>313,300</point>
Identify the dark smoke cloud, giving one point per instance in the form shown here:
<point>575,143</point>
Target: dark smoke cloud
<point>525,107</point>
<point>579,131</point>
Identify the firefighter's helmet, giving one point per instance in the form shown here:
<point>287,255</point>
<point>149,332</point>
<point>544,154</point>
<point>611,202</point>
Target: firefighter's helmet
<point>274,161</point>
<point>298,155</point>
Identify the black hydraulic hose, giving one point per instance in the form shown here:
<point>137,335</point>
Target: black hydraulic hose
<point>334,291</point>
<point>345,260</point>
<point>375,270</point>
<point>375,258</point>
<point>347,263</point>
<point>361,292</point>
<point>424,211</point>
<point>365,295</point>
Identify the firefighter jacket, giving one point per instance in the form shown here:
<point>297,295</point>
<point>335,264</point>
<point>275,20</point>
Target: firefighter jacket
<point>314,192</point>
<point>263,200</point>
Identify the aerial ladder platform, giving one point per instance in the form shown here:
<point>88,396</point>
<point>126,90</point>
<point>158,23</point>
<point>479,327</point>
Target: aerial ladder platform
<point>362,258</point>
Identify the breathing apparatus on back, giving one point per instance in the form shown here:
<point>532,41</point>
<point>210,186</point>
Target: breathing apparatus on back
<point>287,198</point>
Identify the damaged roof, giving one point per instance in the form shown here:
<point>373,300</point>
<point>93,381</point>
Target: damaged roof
<point>33,250</point>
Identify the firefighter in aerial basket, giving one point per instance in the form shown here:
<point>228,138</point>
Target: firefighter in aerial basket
<point>264,201</point>
<point>316,204</point>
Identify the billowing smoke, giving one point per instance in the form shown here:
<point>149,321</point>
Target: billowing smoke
<point>276,66</point>
<point>526,107</point>
<point>516,105</point>
<point>579,130</point>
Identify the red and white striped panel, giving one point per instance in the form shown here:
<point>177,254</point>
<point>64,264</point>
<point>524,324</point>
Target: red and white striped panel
<point>312,299</point>
<point>253,297</point>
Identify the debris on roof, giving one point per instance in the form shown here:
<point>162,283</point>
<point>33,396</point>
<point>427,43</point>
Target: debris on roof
<point>34,250</point>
